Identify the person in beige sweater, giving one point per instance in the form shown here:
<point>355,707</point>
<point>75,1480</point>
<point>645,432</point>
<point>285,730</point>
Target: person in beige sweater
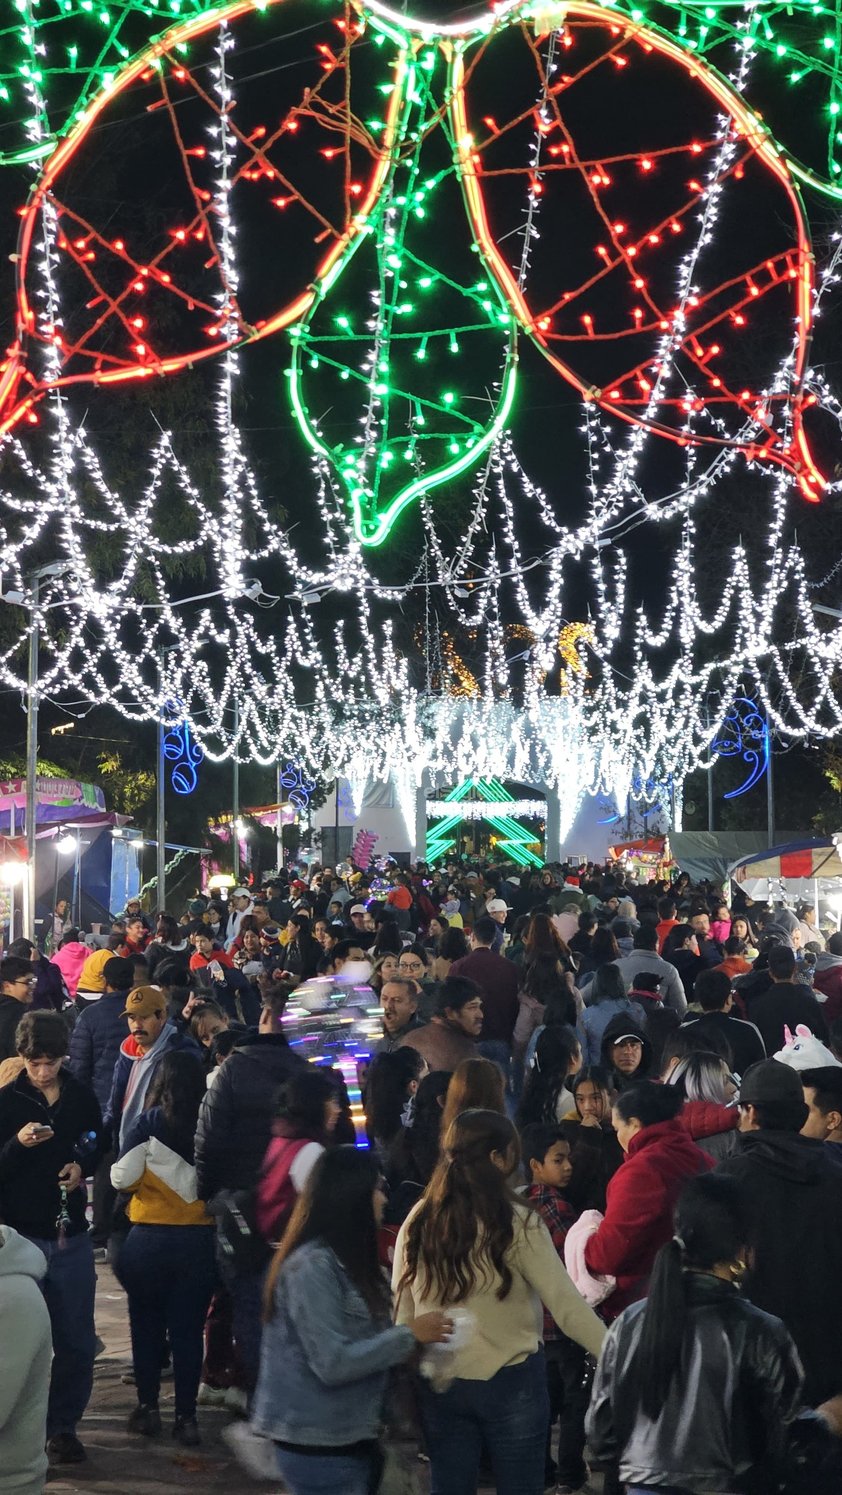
<point>472,1244</point>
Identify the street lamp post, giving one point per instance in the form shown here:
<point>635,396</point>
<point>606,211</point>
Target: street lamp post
<point>17,599</point>
<point>235,793</point>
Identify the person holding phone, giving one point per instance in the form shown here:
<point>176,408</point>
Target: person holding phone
<point>220,979</point>
<point>50,1140</point>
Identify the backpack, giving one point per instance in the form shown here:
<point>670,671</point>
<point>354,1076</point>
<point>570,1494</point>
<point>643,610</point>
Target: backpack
<point>276,1193</point>
<point>240,1249</point>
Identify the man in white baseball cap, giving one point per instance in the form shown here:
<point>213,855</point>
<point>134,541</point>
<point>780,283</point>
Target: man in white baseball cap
<point>240,903</point>
<point>498,910</point>
<point>358,917</point>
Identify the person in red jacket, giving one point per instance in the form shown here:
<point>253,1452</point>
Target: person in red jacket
<point>641,1197</point>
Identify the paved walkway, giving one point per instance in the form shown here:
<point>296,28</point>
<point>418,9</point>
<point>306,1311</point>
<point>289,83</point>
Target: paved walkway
<point>120,1464</point>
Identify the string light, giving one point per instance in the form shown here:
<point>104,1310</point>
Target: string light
<point>608,706</point>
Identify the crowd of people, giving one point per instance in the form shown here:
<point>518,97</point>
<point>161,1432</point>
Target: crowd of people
<point>589,1224</point>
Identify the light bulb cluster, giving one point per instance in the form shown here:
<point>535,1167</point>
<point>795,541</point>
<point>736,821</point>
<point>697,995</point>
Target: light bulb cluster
<point>619,704</point>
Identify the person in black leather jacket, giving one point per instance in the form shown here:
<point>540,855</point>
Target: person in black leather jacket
<point>696,1388</point>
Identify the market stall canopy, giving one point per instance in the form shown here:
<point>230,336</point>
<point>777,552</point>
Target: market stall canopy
<point>58,802</point>
<point>652,846</point>
<point>707,855</point>
<point>808,859</point>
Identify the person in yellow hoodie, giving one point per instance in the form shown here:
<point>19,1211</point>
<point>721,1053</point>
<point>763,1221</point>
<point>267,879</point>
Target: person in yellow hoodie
<point>92,975</point>
<point>167,1264</point>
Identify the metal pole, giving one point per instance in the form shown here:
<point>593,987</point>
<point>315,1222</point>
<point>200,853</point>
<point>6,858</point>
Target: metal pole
<point>770,789</point>
<point>31,764</point>
<point>235,793</point>
<point>279,821</point>
<point>335,824</point>
<point>12,835</point>
<point>710,798</point>
<point>54,942</point>
<point>76,895</point>
<point>161,816</point>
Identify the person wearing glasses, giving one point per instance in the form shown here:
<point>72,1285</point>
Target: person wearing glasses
<point>17,988</point>
<point>413,965</point>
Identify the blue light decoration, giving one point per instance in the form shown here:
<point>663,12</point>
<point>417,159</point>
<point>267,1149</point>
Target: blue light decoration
<point>346,804</point>
<point>605,804</point>
<point>182,750</point>
<point>293,778</point>
<point>744,731</point>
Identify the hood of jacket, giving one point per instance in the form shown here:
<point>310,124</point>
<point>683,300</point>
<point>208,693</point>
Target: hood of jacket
<point>756,981</point>
<point>787,1155</point>
<point>705,1118</point>
<point>827,962</point>
<point>18,1256</point>
<point>667,1139</point>
<point>174,1039</point>
<point>626,1023</point>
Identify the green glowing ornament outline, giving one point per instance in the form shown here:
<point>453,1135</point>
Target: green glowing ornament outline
<point>372,523</point>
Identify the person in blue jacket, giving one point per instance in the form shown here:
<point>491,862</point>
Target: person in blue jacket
<point>328,1342</point>
<point>94,1049</point>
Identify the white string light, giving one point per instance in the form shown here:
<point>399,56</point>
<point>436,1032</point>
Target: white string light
<point>342,697</point>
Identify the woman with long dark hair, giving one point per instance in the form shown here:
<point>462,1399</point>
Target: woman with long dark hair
<point>547,1095</point>
<point>560,1011</point>
<point>392,1082</point>
<point>594,1150</point>
<point>580,943</point>
<point>681,949</point>
<point>387,940</point>
<point>695,1387</point>
<point>327,1341</point>
<point>542,940</point>
<point>603,952</point>
<point>741,929</point>
<point>473,1244</point>
<point>544,977</point>
<point>607,999</point>
<point>452,946</point>
<point>384,968</point>
<point>167,1264</point>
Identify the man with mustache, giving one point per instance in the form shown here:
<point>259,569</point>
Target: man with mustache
<point>399,999</point>
<point>152,1034</point>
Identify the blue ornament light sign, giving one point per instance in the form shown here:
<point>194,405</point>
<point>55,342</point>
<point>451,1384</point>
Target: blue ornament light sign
<point>744,732</point>
<point>182,750</point>
<point>293,778</point>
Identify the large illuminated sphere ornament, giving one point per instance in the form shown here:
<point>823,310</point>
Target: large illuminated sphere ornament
<point>381,239</point>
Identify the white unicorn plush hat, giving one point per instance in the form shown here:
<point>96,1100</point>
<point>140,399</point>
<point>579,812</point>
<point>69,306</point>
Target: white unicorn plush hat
<point>802,1050</point>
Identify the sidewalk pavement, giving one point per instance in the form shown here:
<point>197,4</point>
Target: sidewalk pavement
<point>120,1463</point>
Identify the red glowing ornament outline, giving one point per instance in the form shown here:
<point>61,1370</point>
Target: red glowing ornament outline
<point>20,389</point>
